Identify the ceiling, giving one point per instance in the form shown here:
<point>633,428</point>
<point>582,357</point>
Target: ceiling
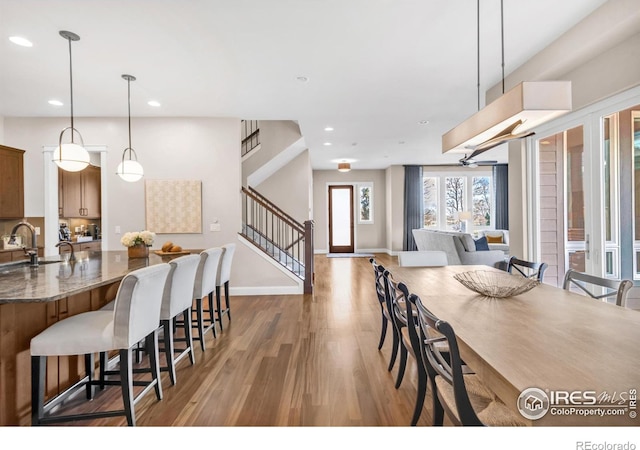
<point>375,69</point>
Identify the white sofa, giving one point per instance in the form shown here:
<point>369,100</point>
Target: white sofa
<point>460,248</point>
<point>504,246</point>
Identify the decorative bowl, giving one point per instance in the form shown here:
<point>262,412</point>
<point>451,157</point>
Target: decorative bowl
<point>496,284</point>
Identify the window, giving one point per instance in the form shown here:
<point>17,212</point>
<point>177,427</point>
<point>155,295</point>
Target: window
<point>430,198</point>
<point>448,194</point>
<point>365,203</point>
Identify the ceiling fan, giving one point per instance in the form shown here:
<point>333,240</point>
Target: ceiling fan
<point>470,162</point>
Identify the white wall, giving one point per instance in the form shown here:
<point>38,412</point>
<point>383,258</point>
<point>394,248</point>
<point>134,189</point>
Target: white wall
<point>368,237</point>
<point>206,149</point>
<point>394,177</point>
<point>290,187</point>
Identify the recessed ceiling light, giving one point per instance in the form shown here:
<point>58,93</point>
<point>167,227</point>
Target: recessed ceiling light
<point>153,103</point>
<point>55,103</point>
<point>545,142</point>
<point>401,142</point>
<point>328,128</point>
<point>302,79</point>
<point>354,143</point>
<point>23,42</point>
<point>423,122</point>
<point>327,143</point>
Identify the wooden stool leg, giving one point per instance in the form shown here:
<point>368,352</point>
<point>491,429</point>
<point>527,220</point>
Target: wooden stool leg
<point>89,368</point>
<point>187,335</point>
<point>168,349</point>
<point>126,382</point>
<point>154,364</point>
<point>226,299</point>
<point>38,373</point>
<point>199,323</point>
<point>103,367</point>
<point>219,306</point>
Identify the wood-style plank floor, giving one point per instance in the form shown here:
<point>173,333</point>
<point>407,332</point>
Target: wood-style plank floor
<point>290,360</point>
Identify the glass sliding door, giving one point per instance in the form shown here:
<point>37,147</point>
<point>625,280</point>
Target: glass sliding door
<point>576,237</point>
<point>635,115</point>
<point>610,200</point>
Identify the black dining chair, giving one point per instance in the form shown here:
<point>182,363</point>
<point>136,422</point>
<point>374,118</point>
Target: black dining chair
<point>465,399</point>
<point>404,318</point>
<point>378,273</point>
<point>612,288</point>
<point>527,269</point>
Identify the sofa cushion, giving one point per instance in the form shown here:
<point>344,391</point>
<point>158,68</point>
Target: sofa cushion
<point>482,244</point>
<point>468,242</point>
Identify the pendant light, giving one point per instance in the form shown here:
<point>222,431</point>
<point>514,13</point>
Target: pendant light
<point>129,169</point>
<point>512,116</point>
<point>344,167</point>
<point>71,156</point>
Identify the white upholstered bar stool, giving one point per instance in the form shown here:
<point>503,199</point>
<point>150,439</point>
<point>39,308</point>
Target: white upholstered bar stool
<point>224,274</point>
<point>177,300</point>
<point>135,316</point>
<point>205,287</point>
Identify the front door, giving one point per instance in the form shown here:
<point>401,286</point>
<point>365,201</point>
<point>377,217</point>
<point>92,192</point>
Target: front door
<point>341,219</point>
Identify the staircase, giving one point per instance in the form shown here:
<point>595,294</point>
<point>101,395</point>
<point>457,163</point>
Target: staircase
<point>281,237</point>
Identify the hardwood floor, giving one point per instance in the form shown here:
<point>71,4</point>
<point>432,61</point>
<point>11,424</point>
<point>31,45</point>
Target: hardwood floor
<point>291,360</point>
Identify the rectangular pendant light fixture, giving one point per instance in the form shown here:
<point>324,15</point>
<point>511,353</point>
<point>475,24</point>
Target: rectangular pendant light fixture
<point>511,116</point>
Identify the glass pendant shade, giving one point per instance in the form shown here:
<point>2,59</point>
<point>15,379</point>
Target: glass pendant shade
<point>71,157</point>
<point>130,170</point>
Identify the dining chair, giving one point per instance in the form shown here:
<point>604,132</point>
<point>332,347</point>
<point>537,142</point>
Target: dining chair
<point>135,317</point>
<point>379,283</point>
<point>612,288</point>
<point>405,320</point>
<point>177,300</point>
<point>527,269</point>
<point>205,287</point>
<point>461,395</point>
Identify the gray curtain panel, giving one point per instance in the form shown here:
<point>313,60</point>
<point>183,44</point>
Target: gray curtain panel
<point>413,205</point>
<point>501,183</point>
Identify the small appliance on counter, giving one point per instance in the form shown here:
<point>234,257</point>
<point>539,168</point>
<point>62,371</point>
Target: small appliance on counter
<point>64,233</point>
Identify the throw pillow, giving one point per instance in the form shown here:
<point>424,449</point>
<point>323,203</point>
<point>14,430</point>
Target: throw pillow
<point>468,243</point>
<point>494,239</point>
<point>482,244</point>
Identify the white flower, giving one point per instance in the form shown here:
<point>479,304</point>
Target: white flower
<point>130,239</point>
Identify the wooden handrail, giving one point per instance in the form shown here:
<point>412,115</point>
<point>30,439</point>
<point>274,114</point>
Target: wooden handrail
<point>263,201</point>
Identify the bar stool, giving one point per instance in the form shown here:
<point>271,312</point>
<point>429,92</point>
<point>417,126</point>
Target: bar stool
<point>205,286</point>
<point>135,316</point>
<point>224,273</point>
<point>177,300</point>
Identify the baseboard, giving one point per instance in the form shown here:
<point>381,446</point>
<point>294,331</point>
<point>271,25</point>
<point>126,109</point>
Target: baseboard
<point>266,290</point>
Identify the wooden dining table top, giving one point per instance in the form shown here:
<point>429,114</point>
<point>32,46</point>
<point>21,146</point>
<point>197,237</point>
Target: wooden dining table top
<point>547,338</point>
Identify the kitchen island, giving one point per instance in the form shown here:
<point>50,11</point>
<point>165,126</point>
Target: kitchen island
<point>32,299</point>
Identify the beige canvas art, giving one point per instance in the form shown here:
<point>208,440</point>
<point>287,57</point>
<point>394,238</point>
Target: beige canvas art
<point>173,206</point>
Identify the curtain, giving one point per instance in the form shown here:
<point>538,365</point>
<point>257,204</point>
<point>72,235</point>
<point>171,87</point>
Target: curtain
<point>413,205</point>
<point>501,183</point>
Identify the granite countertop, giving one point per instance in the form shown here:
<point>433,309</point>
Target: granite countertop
<point>56,278</point>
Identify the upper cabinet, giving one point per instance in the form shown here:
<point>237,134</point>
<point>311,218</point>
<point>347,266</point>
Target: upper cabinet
<point>79,193</point>
<point>11,183</point>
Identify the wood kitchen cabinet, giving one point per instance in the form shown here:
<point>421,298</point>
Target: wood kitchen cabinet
<point>11,183</point>
<point>79,193</point>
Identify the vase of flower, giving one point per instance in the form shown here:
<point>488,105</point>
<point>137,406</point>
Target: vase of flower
<point>138,251</point>
<point>138,243</point>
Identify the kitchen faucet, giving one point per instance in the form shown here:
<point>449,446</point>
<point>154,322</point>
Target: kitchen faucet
<point>33,251</point>
<point>73,256</point>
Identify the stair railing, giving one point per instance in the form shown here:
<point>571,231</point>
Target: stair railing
<point>278,235</point>
<point>249,135</point>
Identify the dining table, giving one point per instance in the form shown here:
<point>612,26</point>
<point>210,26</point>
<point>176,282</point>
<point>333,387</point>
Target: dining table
<point>582,354</point>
